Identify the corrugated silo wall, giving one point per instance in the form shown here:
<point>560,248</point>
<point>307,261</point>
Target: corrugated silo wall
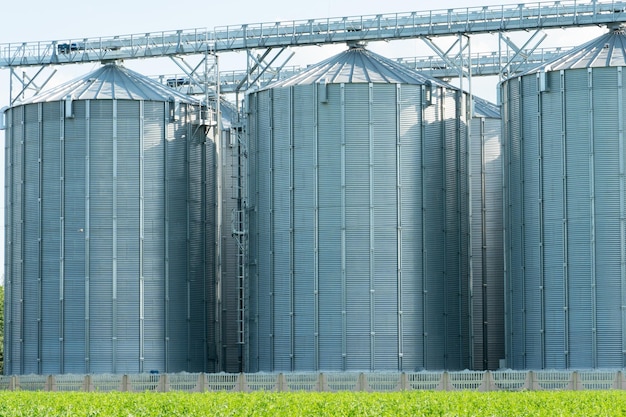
<point>487,243</point>
<point>106,269</point>
<point>358,229</point>
<point>565,220</point>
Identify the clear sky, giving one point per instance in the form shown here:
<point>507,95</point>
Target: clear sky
<point>39,20</point>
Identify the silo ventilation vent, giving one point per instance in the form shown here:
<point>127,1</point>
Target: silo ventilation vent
<point>357,45</point>
<point>69,108</point>
<point>3,124</point>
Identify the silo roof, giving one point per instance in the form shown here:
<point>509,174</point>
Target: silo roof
<point>357,65</point>
<point>112,82</point>
<point>229,113</point>
<point>608,50</point>
<point>486,109</point>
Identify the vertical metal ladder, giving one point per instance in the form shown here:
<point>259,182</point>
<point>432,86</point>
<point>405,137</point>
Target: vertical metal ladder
<point>240,226</point>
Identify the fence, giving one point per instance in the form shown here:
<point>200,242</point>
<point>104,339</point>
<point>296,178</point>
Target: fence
<point>506,380</point>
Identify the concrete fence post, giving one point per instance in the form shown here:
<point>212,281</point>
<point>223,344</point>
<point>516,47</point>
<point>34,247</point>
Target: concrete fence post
<point>361,384</point>
<point>486,382</point>
<point>575,381</point>
<point>531,381</point>
<point>164,383</point>
<point>50,384</point>
<point>125,383</point>
<point>445,381</point>
<point>201,384</point>
<point>323,382</point>
<point>87,384</point>
<point>404,383</point>
<point>241,386</point>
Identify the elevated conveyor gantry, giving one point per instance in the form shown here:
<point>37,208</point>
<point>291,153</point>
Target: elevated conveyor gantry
<point>468,21</point>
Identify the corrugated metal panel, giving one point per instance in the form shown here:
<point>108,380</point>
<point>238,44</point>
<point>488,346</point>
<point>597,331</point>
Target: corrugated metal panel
<point>532,194</point>
<point>74,189</point>
<point>154,235</point>
<point>384,231</point>
<point>32,233</point>
<point>435,331</point>
<point>514,279</point>
<point>265,288</point>
<point>452,284</point>
<point>480,309</point>
<point>8,287</point>
<point>177,198</point>
<point>305,233</point>
<point>604,51</point>
<point>16,260</point>
<point>52,257</point>
<point>354,66</point>
<point>128,229</point>
<point>463,110</point>
<point>209,213</point>
<point>552,172</point>
<point>494,238</point>
<point>330,252</point>
<point>111,82</point>
<point>195,164</point>
<point>487,239</point>
<point>573,252</point>
<point>411,223</point>
<point>358,226</point>
<point>357,144</point>
<point>578,216</point>
<point>609,212</point>
<point>281,234</point>
<point>88,210</point>
<point>100,234</point>
<point>8,229</point>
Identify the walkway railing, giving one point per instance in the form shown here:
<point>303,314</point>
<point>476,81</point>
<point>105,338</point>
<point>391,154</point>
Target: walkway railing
<point>406,25</point>
<point>506,380</point>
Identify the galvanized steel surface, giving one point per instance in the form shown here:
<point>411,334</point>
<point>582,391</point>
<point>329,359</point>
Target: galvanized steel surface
<point>111,82</point>
<point>565,217</point>
<point>233,160</point>
<point>487,238</point>
<point>608,50</point>
<point>357,65</point>
<point>358,228</point>
<point>107,263</point>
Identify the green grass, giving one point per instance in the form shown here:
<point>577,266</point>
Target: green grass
<point>423,403</point>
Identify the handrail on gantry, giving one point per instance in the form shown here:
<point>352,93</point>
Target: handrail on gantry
<point>482,63</point>
<point>468,20</point>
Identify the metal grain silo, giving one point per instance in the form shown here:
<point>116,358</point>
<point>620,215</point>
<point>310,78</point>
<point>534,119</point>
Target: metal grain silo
<point>487,238</point>
<point>565,210</point>
<point>358,226</point>
<point>107,266</point>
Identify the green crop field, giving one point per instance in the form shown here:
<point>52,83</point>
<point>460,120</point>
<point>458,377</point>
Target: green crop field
<point>423,403</point>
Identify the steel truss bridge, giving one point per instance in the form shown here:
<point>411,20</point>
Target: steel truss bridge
<point>274,38</point>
